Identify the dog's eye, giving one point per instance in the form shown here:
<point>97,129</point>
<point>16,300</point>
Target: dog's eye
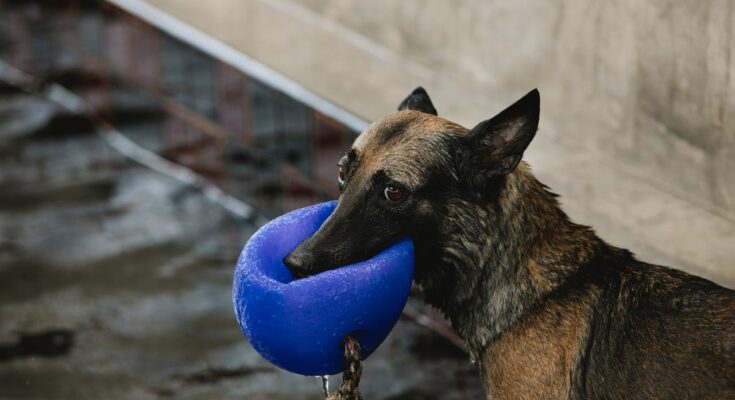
<point>393,194</point>
<point>341,176</point>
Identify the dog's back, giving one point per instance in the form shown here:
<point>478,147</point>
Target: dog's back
<point>621,329</point>
<point>660,333</point>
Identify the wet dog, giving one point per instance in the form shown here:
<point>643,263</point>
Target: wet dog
<point>546,307</point>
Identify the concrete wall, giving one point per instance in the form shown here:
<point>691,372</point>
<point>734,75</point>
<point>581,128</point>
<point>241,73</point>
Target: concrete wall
<point>637,98</point>
<point>649,83</point>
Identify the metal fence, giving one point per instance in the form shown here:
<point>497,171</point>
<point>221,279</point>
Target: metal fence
<point>248,138</point>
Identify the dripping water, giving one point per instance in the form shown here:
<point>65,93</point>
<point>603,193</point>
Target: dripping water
<point>325,384</point>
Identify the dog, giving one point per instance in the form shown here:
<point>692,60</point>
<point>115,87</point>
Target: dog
<point>547,309</point>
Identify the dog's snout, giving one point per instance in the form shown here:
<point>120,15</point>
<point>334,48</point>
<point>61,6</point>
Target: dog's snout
<point>300,263</point>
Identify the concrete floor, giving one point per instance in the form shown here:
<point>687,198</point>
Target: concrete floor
<point>625,204</point>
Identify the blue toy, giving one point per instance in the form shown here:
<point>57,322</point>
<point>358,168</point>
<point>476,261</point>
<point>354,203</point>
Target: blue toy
<point>299,325</point>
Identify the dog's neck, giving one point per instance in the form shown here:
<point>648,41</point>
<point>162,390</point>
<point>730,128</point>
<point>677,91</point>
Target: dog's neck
<point>499,258</point>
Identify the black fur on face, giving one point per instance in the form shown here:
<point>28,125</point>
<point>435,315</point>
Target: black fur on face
<point>378,206</point>
<point>403,173</point>
<point>364,222</point>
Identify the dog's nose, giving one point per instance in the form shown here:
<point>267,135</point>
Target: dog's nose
<point>299,263</point>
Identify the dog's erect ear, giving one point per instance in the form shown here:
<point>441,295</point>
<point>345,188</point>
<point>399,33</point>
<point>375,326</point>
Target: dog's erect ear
<point>495,146</point>
<point>418,100</point>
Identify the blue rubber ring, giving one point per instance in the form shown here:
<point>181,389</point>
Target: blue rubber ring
<point>299,325</point>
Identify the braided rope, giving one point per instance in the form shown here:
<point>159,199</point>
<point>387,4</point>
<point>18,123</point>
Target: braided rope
<point>352,373</point>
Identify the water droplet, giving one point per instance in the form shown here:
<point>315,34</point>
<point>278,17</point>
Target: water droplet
<point>325,384</point>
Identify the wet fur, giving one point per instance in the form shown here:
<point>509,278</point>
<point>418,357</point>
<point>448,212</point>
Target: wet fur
<point>551,311</point>
<point>547,308</point>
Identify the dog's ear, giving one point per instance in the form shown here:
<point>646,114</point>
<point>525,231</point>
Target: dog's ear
<point>495,146</point>
<point>418,100</point>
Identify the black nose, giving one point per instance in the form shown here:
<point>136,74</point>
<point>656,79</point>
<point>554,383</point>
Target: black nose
<point>299,263</point>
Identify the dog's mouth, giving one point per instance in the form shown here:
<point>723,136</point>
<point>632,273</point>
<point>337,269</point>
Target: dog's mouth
<point>296,262</point>
<point>347,236</point>
<point>304,264</point>
<point>298,274</point>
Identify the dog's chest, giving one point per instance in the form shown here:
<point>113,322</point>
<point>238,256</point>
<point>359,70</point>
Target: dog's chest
<point>539,357</point>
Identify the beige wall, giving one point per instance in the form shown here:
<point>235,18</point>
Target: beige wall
<point>649,83</point>
<point>637,97</point>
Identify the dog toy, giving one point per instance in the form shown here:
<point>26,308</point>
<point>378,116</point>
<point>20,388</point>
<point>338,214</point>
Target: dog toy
<point>301,325</point>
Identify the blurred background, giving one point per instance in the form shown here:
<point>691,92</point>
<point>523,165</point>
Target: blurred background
<point>143,142</point>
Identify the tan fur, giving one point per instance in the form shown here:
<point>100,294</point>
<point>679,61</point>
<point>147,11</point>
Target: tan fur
<point>534,360</point>
<point>539,278</point>
<point>403,157</point>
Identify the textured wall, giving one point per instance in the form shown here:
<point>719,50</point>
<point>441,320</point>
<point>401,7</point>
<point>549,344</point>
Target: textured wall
<point>649,83</point>
<point>636,103</point>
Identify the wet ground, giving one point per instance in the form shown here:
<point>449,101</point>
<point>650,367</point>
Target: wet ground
<point>115,279</point>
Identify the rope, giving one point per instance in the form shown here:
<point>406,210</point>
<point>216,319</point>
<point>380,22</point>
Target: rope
<point>351,375</point>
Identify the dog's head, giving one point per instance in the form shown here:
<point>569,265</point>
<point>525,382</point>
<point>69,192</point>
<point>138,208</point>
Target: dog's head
<point>401,173</point>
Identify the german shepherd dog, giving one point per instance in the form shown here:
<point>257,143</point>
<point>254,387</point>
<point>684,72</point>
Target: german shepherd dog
<point>547,308</point>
